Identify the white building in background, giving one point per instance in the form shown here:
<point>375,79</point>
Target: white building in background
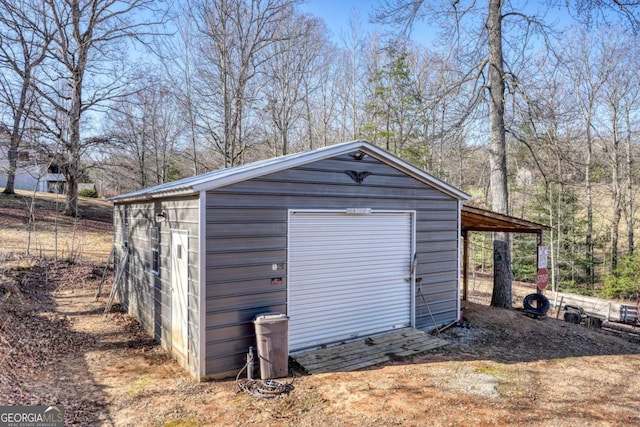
<point>35,171</point>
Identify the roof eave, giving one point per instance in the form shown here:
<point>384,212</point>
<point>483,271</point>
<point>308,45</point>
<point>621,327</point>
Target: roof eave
<point>295,160</point>
<point>153,196</point>
<point>415,172</point>
<point>331,151</point>
<point>301,159</point>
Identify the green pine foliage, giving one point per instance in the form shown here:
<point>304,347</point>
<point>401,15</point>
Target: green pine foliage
<point>524,258</point>
<point>560,207</point>
<point>393,104</point>
<point>624,281</point>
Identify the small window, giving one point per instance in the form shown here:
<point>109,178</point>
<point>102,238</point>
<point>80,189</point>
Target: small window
<point>125,232</point>
<point>154,239</point>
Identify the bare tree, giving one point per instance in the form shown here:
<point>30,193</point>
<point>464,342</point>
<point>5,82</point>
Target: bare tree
<point>321,89</point>
<point>354,45</point>
<point>87,68</point>
<point>492,74</point>
<point>619,98</point>
<point>147,132</point>
<point>292,57</point>
<point>551,140</point>
<point>491,78</point>
<point>630,107</point>
<point>178,56</point>
<point>23,47</point>
<point>440,110</point>
<point>234,37</point>
<point>587,66</point>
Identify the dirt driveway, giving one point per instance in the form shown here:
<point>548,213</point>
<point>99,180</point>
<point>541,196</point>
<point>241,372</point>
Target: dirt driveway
<point>505,369</point>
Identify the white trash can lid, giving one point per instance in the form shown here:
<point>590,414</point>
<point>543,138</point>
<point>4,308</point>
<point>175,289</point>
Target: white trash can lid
<point>271,318</point>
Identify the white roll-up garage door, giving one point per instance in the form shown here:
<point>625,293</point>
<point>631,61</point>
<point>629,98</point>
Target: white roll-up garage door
<point>348,275</point>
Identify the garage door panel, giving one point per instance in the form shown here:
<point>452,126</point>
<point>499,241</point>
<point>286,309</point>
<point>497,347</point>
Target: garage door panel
<point>346,279</point>
<point>338,316</point>
<point>343,292</point>
<point>338,328</point>
<point>338,254</point>
<point>322,336</point>
<point>347,290</point>
<point>329,241</point>
<point>315,273</point>
<point>344,297</point>
<point>347,275</point>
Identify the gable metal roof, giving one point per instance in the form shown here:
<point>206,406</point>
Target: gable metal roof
<point>224,177</point>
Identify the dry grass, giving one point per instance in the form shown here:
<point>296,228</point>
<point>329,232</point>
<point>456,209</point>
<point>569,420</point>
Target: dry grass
<point>48,233</point>
<point>505,369</point>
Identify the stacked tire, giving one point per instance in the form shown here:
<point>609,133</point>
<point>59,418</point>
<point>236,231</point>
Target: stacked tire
<point>536,304</point>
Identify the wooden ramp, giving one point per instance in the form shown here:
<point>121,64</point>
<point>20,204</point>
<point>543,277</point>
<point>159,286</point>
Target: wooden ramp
<point>368,351</point>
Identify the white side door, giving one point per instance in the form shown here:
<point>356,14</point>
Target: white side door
<point>179,289</point>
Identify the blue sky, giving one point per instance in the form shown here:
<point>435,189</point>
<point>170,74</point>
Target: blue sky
<point>337,13</point>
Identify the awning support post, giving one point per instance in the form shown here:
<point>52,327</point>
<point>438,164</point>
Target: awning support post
<point>465,264</point>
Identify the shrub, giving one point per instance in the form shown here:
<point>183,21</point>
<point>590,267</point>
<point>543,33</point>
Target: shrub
<point>88,192</point>
<point>624,281</point>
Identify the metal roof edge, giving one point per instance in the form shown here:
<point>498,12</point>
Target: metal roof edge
<point>146,196</point>
<point>224,177</point>
<point>486,213</point>
<point>417,173</point>
<point>278,164</point>
<point>303,158</point>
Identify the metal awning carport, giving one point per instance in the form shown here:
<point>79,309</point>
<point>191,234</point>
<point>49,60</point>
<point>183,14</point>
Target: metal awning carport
<point>478,219</point>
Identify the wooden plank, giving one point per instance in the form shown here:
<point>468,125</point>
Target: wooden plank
<point>368,360</point>
<point>367,352</point>
<point>387,357</point>
<point>382,357</point>
<point>343,354</point>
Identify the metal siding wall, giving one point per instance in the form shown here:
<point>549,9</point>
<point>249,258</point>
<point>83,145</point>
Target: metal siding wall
<point>234,298</point>
<point>149,295</point>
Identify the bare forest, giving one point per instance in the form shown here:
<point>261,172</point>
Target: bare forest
<point>534,110</point>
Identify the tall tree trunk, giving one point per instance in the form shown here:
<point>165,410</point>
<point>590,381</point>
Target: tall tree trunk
<point>617,192</point>
<point>12,157</point>
<point>16,134</point>
<point>192,132</point>
<point>590,271</point>
<point>501,296</point>
<point>501,273</point>
<point>552,253</point>
<point>630,195</point>
<point>72,167</point>
<point>307,104</point>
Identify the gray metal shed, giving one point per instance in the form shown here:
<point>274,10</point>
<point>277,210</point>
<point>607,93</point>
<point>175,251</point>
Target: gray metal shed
<point>329,237</point>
